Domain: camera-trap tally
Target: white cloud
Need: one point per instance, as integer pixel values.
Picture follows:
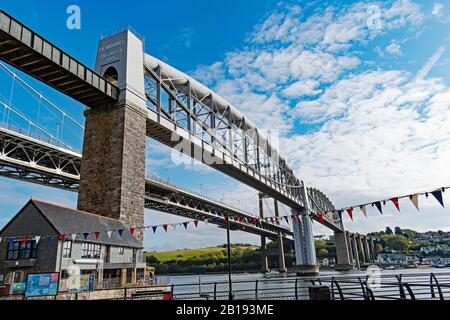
(437, 9)
(394, 49)
(302, 88)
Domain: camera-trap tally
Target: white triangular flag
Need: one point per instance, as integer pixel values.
(36, 239)
(73, 236)
(415, 200)
(1, 239)
(363, 210)
(109, 233)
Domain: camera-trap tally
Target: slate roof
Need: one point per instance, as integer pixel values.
(68, 221)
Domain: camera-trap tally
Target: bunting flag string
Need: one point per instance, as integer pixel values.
(414, 198)
(320, 216)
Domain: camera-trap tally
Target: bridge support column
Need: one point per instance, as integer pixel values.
(349, 248)
(373, 249)
(355, 252)
(113, 164)
(305, 249)
(369, 258)
(361, 252)
(264, 257)
(344, 262)
(281, 258)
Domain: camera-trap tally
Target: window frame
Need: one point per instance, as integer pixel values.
(91, 250)
(67, 249)
(17, 251)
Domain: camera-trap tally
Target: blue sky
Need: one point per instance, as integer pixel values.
(359, 91)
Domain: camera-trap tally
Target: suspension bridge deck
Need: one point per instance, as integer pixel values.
(32, 54)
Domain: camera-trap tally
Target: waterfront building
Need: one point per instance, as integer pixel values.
(115, 261)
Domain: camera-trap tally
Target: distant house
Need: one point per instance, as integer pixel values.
(444, 248)
(391, 258)
(116, 260)
(428, 249)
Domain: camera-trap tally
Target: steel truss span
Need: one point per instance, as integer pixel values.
(194, 120)
(29, 159)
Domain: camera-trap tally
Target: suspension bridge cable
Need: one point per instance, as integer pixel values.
(13, 74)
(39, 100)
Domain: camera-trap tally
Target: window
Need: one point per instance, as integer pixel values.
(121, 251)
(67, 249)
(18, 251)
(90, 251)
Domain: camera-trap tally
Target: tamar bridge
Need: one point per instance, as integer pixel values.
(131, 95)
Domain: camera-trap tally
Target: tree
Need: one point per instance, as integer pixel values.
(378, 248)
(397, 243)
(389, 231)
(322, 252)
(398, 231)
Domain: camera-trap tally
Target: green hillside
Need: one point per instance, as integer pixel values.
(191, 254)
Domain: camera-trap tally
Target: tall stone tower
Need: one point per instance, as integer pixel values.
(113, 164)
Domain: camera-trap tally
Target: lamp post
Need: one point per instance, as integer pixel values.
(230, 283)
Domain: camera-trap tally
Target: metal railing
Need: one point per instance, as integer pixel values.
(414, 286)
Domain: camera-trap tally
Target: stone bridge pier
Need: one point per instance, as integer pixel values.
(113, 165)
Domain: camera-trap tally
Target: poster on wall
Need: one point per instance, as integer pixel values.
(42, 284)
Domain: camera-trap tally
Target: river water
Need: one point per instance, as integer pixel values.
(262, 286)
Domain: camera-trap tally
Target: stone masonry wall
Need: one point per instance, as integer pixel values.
(113, 164)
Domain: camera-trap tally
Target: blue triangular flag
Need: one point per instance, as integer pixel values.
(438, 195)
(378, 205)
(120, 232)
(185, 224)
(49, 239)
(85, 235)
(10, 241)
(154, 229)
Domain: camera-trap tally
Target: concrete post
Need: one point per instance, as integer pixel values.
(113, 165)
(281, 258)
(373, 249)
(349, 248)
(361, 248)
(305, 251)
(265, 260)
(355, 251)
(369, 257)
(344, 261)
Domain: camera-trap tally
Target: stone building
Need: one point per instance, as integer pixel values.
(115, 261)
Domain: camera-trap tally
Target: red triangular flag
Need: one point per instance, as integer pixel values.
(294, 219)
(132, 231)
(254, 221)
(24, 241)
(62, 238)
(321, 218)
(350, 213)
(196, 223)
(97, 235)
(396, 204)
(165, 227)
